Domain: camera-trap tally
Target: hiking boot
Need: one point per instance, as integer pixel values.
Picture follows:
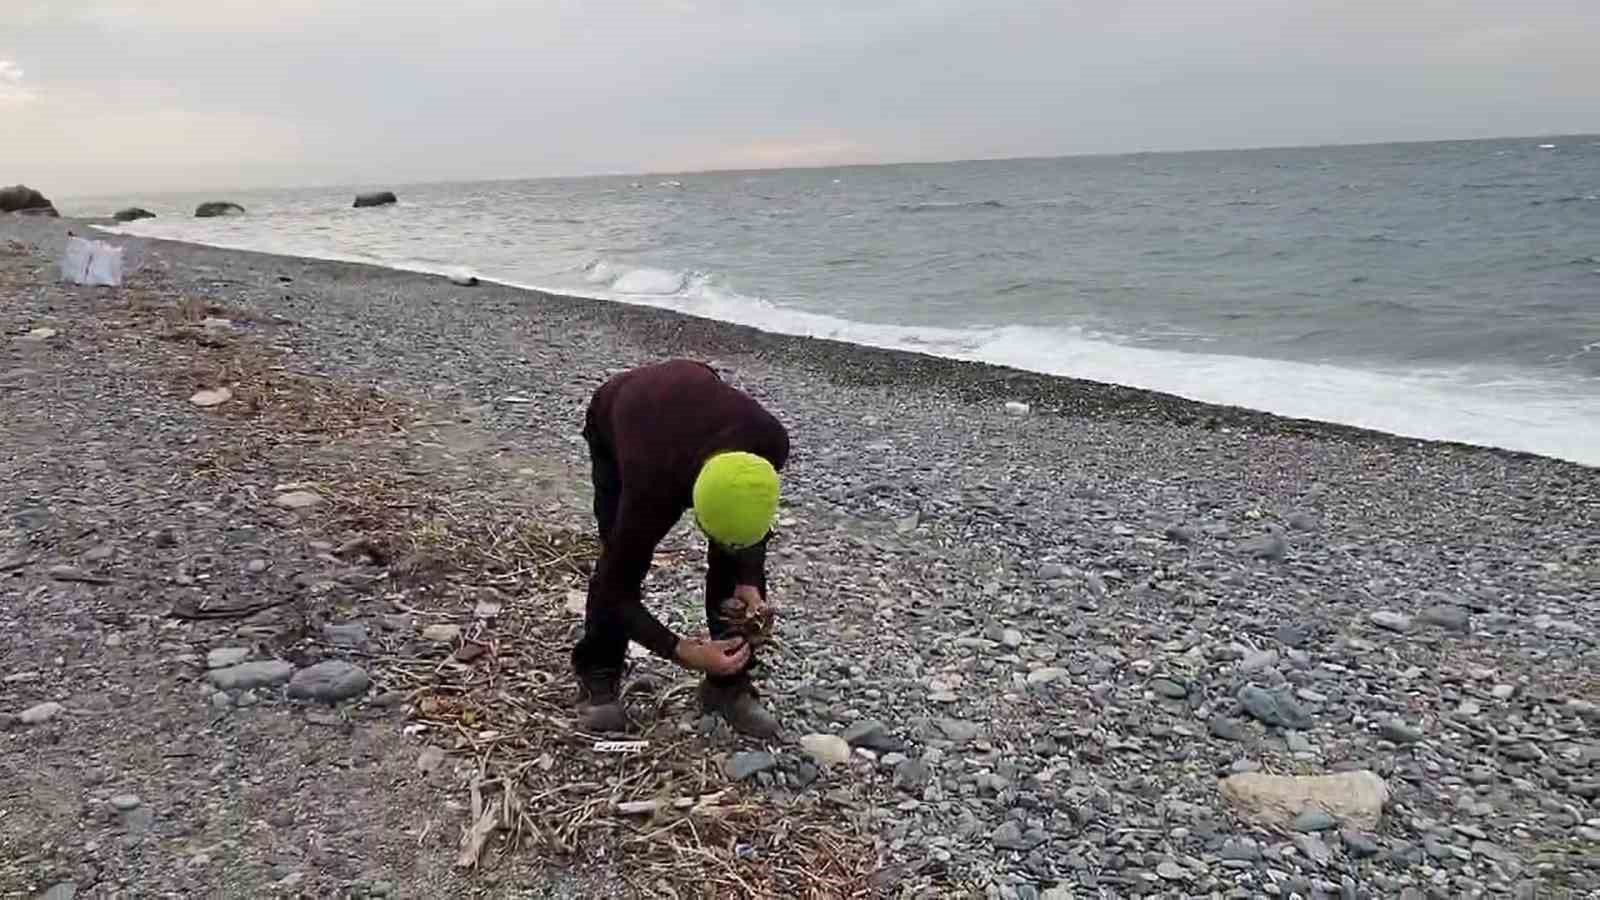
(736, 702)
(600, 701)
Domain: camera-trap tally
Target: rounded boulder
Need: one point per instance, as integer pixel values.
(329, 681)
(214, 208)
(376, 198)
(21, 198)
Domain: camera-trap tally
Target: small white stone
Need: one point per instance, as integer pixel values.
(1017, 408)
(430, 759)
(1503, 691)
(1259, 660)
(214, 397)
(42, 713)
(297, 500)
(223, 657)
(442, 634)
(1391, 621)
(826, 749)
(1046, 675)
(125, 802)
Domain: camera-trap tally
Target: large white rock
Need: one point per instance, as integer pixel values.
(1356, 798)
(40, 713)
(826, 749)
(297, 500)
(215, 397)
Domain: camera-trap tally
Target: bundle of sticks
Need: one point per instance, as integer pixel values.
(752, 624)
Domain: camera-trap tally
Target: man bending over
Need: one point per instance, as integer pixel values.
(664, 438)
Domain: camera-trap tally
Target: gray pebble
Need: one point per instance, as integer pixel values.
(1399, 732)
(223, 657)
(353, 634)
(251, 675)
(329, 681)
(871, 734)
(957, 731)
(912, 775)
(1171, 871)
(1228, 729)
(1293, 634)
(1258, 660)
(1451, 618)
(1391, 621)
(1273, 708)
(138, 821)
(125, 802)
(1180, 534)
(1240, 849)
(1313, 849)
(1168, 688)
(1314, 820)
(746, 763)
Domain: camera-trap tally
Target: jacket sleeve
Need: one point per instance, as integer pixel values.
(619, 576)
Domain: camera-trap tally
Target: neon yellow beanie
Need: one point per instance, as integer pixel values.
(736, 498)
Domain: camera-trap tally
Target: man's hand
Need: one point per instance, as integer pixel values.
(714, 657)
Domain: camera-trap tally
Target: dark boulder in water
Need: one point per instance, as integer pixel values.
(377, 198)
(132, 213)
(217, 208)
(20, 198)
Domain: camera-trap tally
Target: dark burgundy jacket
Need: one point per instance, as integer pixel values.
(658, 424)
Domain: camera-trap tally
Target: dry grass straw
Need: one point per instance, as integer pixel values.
(501, 696)
(201, 348)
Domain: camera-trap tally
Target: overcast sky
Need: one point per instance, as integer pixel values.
(128, 95)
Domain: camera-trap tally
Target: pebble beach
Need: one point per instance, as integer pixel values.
(1037, 637)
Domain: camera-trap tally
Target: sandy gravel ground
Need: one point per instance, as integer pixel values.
(270, 645)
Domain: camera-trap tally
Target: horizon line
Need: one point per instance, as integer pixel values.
(735, 170)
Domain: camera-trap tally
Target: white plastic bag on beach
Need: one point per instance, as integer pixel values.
(91, 262)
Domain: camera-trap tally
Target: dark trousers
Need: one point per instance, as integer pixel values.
(604, 646)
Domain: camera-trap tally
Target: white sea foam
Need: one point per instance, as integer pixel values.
(1511, 410)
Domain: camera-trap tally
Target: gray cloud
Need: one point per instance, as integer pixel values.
(114, 94)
